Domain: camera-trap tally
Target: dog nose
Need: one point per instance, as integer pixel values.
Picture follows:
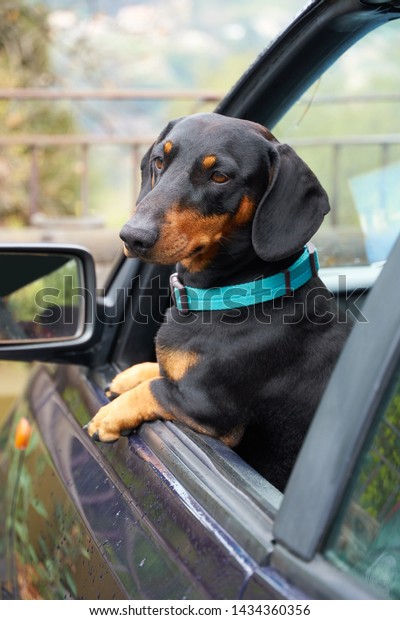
(140, 240)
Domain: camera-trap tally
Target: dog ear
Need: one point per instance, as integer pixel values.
(292, 208)
(145, 167)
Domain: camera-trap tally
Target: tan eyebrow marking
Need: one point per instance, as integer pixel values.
(168, 147)
(209, 161)
(245, 211)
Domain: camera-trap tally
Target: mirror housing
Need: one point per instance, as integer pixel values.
(47, 302)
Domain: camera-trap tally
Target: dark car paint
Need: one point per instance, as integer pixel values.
(124, 523)
(186, 518)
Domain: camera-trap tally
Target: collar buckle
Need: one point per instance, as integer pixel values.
(176, 285)
(312, 258)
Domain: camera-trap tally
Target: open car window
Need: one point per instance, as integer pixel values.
(347, 128)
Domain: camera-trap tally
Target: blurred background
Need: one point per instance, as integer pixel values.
(86, 86)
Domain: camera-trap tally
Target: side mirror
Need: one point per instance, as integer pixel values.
(47, 301)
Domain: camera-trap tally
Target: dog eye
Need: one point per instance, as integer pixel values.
(159, 163)
(219, 177)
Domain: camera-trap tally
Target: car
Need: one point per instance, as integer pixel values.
(167, 513)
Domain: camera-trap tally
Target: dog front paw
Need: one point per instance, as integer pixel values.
(131, 378)
(126, 413)
(104, 426)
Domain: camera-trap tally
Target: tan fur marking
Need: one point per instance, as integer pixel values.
(209, 161)
(233, 438)
(193, 239)
(168, 147)
(138, 405)
(176, 363)
(131, 377)
(245, 212)
(126, 412)
(184, 231)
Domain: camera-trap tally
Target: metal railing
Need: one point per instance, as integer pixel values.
(195, 99)
(35, 143)
(384, 143)
(138, 144)
(198, 97)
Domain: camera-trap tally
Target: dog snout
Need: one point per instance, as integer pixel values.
(138, 241)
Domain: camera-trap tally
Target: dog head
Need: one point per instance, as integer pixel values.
(208, 178)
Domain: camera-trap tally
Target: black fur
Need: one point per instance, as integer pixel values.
(261, 368)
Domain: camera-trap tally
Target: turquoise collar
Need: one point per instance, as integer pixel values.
(189, 298)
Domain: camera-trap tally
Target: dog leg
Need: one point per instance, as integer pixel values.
(139, 405)
(132, 377)
(125, 413)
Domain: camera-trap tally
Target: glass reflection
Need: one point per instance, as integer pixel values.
(40, 297)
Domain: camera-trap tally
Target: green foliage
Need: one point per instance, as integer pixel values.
(365, 539)
(44, 561)
(379, 481)
(24, 63)
(31, 301)
(22, 49)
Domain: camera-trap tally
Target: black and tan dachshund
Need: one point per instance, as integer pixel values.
(249, 343)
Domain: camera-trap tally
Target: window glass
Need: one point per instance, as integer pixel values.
(40, 297)
(366, 538)
(347, 128)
